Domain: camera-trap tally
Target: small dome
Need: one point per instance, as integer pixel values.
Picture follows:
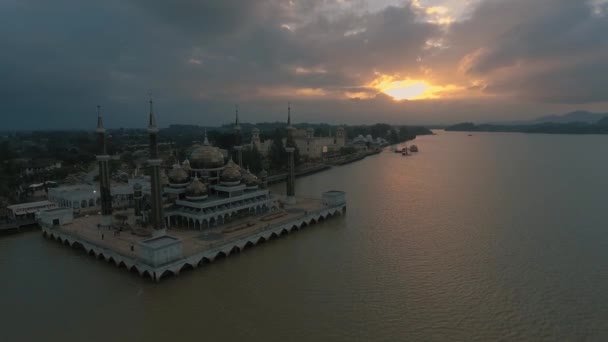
(196, 189)
(263, 173)
(186, 165)
(255, 130)
(137, 186)
(178, 175)
(250, 179)
(231, 173)
(164, 180)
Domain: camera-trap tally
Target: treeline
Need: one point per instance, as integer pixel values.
(601, 127)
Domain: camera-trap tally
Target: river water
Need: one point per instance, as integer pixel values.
(475, 238)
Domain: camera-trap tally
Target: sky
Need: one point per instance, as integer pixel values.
(336, 61)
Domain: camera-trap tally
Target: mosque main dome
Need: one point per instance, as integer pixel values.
(206, 157)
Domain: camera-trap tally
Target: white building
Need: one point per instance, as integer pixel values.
(309, 146)
(24, 211)
(55, 217)
(77, 197)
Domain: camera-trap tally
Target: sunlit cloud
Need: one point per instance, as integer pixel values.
(599, 7)
(290, 92)
(299, 70)
(354, 32)
(412, 89)
(287, 27)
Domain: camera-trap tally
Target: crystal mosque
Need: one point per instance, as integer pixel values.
(201, 208)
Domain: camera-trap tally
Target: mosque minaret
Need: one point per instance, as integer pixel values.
(291, 191)
(156, 216)
(104, 173)
(238, 147)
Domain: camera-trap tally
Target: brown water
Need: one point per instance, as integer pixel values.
(493, 236)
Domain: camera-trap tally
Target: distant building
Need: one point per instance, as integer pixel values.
(308, 144)
(86, 197)
(34, 167)
(368, 140)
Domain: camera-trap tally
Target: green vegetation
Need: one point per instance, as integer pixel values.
(252, 159)
(601, 127)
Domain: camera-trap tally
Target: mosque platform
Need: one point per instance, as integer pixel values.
(190, 247)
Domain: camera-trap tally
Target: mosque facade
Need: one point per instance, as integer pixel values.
(205, 191)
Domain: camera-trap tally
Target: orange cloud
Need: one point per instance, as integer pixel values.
(412, 89)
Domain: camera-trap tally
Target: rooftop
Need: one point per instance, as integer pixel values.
(29, 205)
(160, 241)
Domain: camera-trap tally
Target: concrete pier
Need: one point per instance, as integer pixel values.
(125, 250)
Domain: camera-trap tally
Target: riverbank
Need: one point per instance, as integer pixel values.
(313, 168)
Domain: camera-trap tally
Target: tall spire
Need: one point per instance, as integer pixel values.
(152, 120)
(290, 128)
(174, 153)
(237, 123)
(156, 216)
(206, 141)
(100, 127)
(237, 138)
(104, 173)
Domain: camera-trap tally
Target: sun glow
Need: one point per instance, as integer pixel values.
(409, 89)
(406, 90)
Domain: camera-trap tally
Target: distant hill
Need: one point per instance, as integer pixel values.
(577, 116)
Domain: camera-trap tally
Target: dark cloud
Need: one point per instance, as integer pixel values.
(546, 50)
(60, 58)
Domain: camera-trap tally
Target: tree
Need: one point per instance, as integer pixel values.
(252, 158)
(347, 150)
